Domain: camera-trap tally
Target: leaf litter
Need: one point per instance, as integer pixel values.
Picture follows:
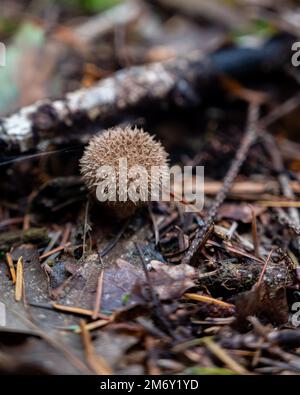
(165, 292)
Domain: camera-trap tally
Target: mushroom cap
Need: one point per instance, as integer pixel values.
(139, 148)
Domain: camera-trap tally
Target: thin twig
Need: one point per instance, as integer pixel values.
(66, 233)
(254, 231)
(248, 139)
(264, 268)
(95, 325)
(26, 222)
(98, 295)
(86, 227)
(54, 251)
(280, 111)
(19, 280)
(11, 267)
(223, 356)
(95, 362)
(79, 310)
(208, 299)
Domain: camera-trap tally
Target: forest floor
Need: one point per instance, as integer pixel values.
(164, 291)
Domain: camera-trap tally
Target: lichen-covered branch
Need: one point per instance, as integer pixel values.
(186, 79)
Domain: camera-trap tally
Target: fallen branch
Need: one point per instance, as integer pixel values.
(184, 81)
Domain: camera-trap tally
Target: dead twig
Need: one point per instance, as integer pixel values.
(19, 280)
(254, 232)
(264, 268)
(95, 325)
(208, 299)
(79, 310)
(223, 356)
(86, 227)
(54, 251)
(98, 295)
(95, 362)
(251, 133)
(11, 267)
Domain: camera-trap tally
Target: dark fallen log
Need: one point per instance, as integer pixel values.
(181, 80)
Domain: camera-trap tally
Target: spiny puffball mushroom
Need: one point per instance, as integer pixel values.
(138, 147)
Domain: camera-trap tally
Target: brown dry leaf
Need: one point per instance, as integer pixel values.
(113, 345)
(33, 356)
(262, 301)
(124, 284)
(239, 212)
(170, 282)
(80, 289)
(118, 283)
(59, 274)
(119, 280)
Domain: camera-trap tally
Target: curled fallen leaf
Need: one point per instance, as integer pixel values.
(262, 301)
(170, 282)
